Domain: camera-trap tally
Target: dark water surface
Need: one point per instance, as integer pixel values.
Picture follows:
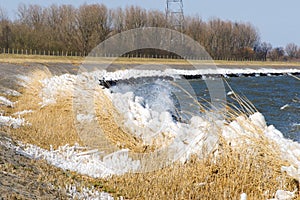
(276, 97)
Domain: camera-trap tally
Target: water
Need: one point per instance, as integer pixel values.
(276, 97)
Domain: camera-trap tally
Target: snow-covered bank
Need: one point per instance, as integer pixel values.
(82, 160)
(169, 72)
(150, 122)
(155, 124)
(147, 112)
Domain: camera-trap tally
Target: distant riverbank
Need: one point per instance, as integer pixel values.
(19, 59)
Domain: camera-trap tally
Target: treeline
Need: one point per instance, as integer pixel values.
(70, 29)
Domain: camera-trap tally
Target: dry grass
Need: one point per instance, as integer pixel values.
(8, 58)
(52, 124)
(233, 173)
(252, 167)
(19, 59)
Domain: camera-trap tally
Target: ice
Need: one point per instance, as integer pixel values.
(82, 160)
(284, 107)
(292, 171)
(258, 120)
(148, 117)
(12, 122)
(11, 92)
(86, 193)
(284, 195)
(230, 93)
(19, 113)
(23, 80)
(6, 102)
(243, 196)
(83, 117)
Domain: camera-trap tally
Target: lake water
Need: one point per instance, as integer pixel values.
(276, 97)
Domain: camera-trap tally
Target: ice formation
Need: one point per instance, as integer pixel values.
(12, 122)
(86, 193)
(149, 122)
(6, 102)
(82, 160)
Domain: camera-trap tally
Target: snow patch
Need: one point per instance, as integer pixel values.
(12, 122)
(11, 92)
(24, 112)
(6, 102)
(83, 117)
(86, 193)
(82, 160)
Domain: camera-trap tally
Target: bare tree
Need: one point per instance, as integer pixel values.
(118, 20)
(292, 50)
(262, 50)
(156, 19)
(5, 29)
(135, 17)
(276, 54)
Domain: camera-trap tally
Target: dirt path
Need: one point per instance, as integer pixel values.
(21, 177)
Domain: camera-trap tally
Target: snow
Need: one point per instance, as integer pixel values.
(82, 160)
(86, 193)
(243, 196)
(289, 150)
(153, 125)
(134, 73)
(284, 195)
(57, 85)
(83, 118)
(6, 102)
(24, 112)
(11, 92)
(230, 93)
(12, 122)
(23, 80)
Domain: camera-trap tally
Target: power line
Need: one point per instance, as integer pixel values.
(174, 14)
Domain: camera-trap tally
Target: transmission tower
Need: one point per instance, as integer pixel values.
(174, 14)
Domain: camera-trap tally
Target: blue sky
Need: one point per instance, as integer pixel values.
(277, 21)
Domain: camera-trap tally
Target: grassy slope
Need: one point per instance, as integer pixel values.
(253, 168)
(19, 59)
